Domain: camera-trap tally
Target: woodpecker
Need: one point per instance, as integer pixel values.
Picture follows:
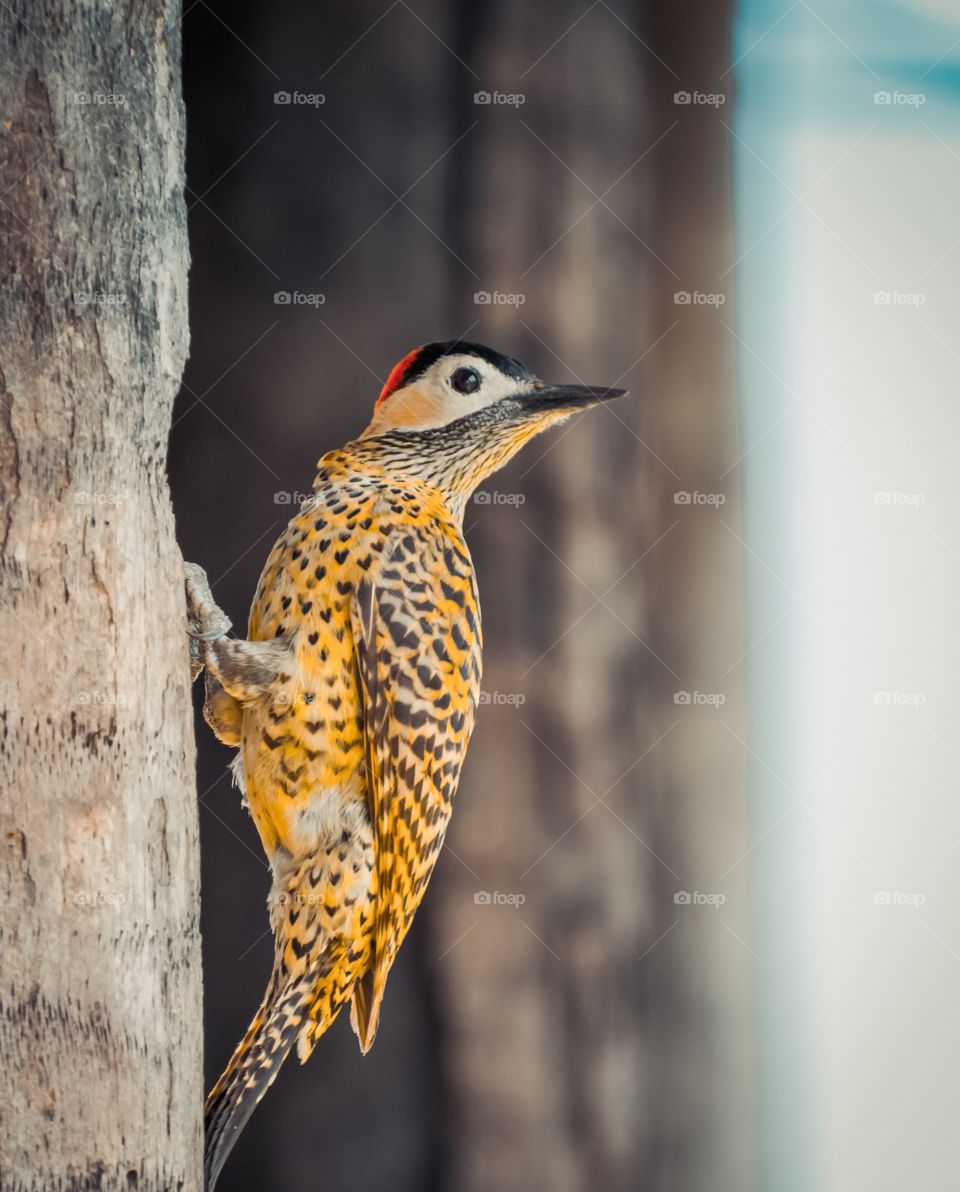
(353, 697)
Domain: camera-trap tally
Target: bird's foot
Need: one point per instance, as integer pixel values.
(206, 621)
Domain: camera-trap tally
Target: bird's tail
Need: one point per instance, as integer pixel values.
(314, 973)
(252, 1069)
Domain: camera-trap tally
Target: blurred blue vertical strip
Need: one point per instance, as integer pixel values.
(768, 114)
(802, 71)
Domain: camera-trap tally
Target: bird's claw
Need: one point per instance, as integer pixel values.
(206, 621)
(212, 635)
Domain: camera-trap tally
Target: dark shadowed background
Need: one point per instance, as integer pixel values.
(557, 1018)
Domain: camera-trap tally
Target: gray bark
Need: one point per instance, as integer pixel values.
(100, 1045)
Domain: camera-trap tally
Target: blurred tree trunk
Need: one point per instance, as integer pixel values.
(597, 1035)
(100, 1044)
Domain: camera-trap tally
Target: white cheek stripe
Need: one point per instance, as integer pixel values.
(437, 403)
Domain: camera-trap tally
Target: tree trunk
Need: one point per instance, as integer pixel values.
(100, 1045)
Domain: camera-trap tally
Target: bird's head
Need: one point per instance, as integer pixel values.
(465, 409)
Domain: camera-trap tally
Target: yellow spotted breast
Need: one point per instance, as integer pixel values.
(372, 586)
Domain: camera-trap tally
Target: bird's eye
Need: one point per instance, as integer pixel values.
(465, 380)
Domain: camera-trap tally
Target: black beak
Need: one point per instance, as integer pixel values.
(566, 397)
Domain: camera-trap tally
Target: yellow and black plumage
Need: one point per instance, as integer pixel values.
(353, 698)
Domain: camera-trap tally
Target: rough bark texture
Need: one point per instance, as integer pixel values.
(100, 1048)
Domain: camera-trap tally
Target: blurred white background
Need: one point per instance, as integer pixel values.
(847, 200)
